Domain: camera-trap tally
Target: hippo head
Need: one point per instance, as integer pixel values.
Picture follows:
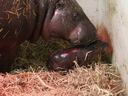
(98, 46)
(69, 22)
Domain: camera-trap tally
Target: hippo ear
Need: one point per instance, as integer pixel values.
(59, 5)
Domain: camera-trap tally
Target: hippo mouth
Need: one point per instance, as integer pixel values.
(91, 41)
(79, 42)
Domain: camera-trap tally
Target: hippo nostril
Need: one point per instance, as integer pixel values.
(106, 46)
(75, 41)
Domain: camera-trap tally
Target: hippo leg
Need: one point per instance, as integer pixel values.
(7, 56)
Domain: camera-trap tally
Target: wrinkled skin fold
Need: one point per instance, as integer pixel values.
(22, 20)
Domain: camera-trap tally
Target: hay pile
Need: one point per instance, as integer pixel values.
(36, 54)
(103, 81)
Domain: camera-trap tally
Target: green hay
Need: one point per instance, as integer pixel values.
(36, 54)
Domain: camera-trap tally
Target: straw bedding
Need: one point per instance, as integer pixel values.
(37, 81)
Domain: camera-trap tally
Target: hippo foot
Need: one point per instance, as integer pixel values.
(5, 67)
(7, 57)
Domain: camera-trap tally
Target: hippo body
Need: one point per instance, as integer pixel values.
(22, 20)
(62, 60)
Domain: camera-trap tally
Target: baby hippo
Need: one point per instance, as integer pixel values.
(62, 60)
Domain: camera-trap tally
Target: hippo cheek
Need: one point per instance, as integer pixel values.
(58, 29)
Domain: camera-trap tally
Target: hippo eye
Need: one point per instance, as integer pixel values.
(95, 46)
(58, 5)
(75, 16)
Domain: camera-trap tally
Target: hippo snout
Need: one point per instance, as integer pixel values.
(82, 36)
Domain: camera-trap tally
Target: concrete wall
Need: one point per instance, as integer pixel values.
(119, 35)
(90, 7)
(111, 15)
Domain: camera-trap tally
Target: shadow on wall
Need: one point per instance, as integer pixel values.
(102, 34)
